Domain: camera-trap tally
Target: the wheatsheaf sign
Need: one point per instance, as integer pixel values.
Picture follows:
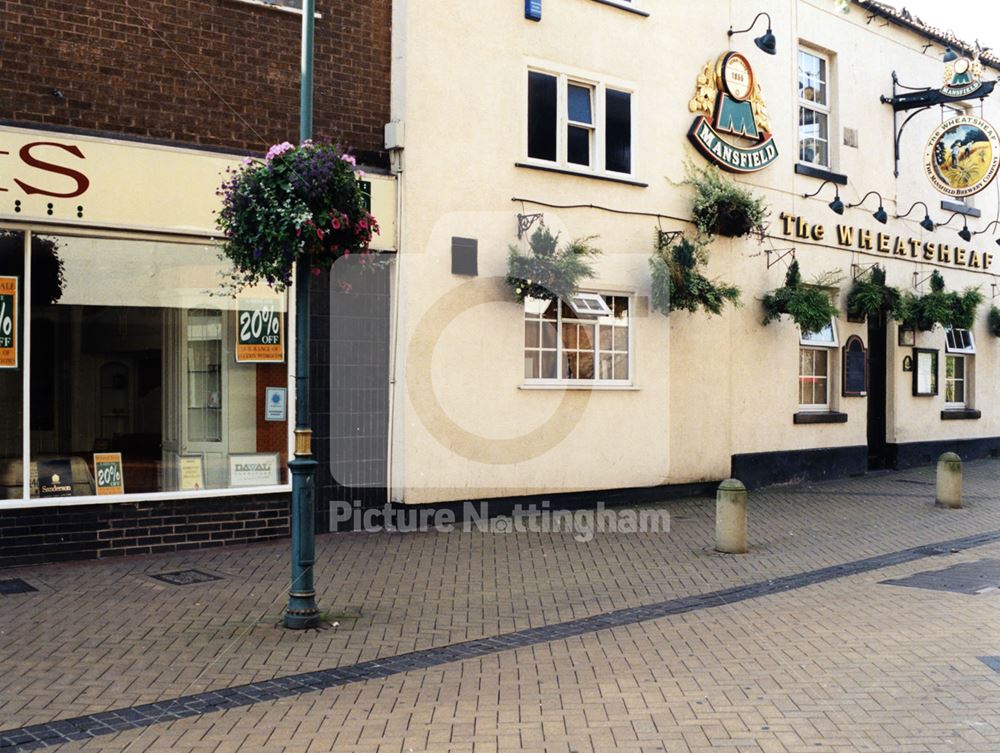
(889, 244)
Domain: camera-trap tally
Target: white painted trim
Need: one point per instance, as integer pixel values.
(272, 6)
(150, 497)
(596, 387)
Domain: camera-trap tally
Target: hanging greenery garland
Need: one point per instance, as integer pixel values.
(949, 309)
(870, 297)
(549, 272)
(677, 280)
(300, 202)
(994, 321)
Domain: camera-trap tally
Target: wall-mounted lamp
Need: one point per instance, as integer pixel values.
(965, 234)
(836, 205)
(766, 42)
(950, 55)
(926, 223)
(986, 229)
(879, 214)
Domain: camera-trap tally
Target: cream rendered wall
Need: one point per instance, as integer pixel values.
(705, 387)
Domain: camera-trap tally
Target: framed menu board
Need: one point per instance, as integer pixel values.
(925, 372)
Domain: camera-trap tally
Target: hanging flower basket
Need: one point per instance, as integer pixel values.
(678, 282)
(871, 298)
(809, 306)
(722, 206)
(549, 272)
(301, 202)
(994, 321)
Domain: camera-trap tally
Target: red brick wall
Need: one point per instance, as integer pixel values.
(118, 75)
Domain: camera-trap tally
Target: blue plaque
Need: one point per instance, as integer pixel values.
(533, 10)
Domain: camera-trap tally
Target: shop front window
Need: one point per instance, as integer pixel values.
(139, 380)
(11, 365)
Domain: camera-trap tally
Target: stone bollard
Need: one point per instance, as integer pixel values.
(731, 517)
(949, 481)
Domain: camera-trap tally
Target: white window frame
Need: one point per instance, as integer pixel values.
(590, 305)
(964, 380)
(825, 109)
(959, 342)
(823, 407)
(597, 322)
(599, 86)
(813, 339)
(277, 6)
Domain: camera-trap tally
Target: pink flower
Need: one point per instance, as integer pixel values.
(279, 149)
(349, 159)
(335, 223)
(319, 233)
(316, 272)
(345, 286)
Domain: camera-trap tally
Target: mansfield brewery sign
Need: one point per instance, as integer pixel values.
(962, 156)
(733, 129)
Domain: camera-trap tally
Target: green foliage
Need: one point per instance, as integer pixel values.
(677, 281)
(871, 297)
(301, 202)
(549, 272)
(995, 321)
(721, 206)
(949, 309)
(809, 306)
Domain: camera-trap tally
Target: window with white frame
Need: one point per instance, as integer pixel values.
(563, 345)
(960, 346)
(816, 354)
(579, 124)
(814, 108)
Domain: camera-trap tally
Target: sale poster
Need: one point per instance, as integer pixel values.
(8, 323)
(260, 335)
(108, 473)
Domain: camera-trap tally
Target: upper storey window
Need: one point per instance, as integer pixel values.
(814, 109)
(581, 125)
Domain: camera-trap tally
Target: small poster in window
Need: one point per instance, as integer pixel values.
(55, 478)
(8, 323)
(257, 469)
(260, 335)
(192, 468)
(276, 404)
(108, 473)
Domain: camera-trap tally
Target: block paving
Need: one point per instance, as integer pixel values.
(774, 658)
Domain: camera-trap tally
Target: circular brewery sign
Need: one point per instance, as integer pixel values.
(962, 156)
(736, 76)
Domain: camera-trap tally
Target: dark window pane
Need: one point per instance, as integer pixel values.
(541, 116)
(579, 105)
(619, 132)
(578, 146)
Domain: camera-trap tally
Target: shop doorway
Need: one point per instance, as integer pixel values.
(877, 350)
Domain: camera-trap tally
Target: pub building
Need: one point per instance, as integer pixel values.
(142, 412)
(558, 128)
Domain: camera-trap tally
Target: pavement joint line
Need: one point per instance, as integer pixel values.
(61, 731)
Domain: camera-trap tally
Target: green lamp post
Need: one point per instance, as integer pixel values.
(302, 611)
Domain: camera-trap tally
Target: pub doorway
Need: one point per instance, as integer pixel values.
(878, 448)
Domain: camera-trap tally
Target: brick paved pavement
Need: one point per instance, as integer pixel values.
(847, 665)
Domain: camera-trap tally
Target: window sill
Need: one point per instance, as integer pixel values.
(820, 417)
(586, 386)
(954, 206)
(821, 173)
(581, 174)
(622, 6)
(960, 414)
(272, 6)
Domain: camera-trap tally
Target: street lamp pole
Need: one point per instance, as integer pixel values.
(302, 611)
